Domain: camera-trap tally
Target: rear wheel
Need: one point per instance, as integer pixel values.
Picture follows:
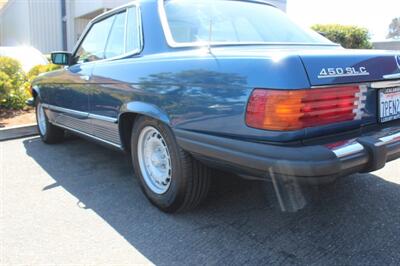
(170, 177)
(48, 133)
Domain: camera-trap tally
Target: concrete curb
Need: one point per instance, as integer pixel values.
(16, 132)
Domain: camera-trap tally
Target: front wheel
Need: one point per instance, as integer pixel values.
(48, 133)
(170, 177)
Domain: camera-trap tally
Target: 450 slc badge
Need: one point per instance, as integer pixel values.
(336, 72)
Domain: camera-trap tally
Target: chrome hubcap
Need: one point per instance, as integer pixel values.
(41, 119)
(154, 160)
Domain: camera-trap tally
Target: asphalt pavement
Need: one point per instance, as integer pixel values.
(79, 203)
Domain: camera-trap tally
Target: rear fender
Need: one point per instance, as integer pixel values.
(129, 113)
(146, 109)
(35, 91)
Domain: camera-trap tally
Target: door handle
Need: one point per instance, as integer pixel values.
(86, 78)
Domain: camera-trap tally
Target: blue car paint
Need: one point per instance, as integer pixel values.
(376, 63)
(199, 92)
(205, 91)
(146, 109)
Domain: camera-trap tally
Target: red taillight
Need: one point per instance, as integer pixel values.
(298, 109)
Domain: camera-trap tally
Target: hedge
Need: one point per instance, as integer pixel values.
(348, 36)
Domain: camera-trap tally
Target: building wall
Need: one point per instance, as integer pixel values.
(14, 24)
(83, 8)
(35, 23)
(387, 45)
(45, 25)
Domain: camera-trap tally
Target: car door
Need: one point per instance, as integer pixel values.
(108, 92)
(71, 99)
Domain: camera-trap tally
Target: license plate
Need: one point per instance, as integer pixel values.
(389, 104)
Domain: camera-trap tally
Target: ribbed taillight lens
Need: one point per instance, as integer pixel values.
(298, 109)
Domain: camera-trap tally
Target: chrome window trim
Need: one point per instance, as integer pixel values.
(173, 44)
(108, 14)
(126, 29)
(80, 113)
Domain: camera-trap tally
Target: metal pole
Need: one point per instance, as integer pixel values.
(64, 25)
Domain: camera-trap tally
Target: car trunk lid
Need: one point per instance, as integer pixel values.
(339, 66)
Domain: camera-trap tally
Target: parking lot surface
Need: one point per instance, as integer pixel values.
(79, 203)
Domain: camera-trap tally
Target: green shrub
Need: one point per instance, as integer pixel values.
(36, 71)
(39, 69)
(12, 79)
(348, 36)
(5, 85)
(12, 68)
(16, 99)
(15, 84)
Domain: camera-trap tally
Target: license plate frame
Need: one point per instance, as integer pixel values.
(389, 104)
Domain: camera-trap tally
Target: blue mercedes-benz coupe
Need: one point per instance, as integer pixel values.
(187, 86)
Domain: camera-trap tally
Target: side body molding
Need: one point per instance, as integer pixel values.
(146, 109)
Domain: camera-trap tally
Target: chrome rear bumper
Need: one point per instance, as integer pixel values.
(375, 149)
(309, 164)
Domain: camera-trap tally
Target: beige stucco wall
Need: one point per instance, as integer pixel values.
(14, 25)
(387, 45)
(84, 7)
(45, 24)
(30, 22)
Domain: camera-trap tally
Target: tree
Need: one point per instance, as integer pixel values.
(394, 29)
(348, 36)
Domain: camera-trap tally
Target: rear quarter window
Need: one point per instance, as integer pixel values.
(227, 21)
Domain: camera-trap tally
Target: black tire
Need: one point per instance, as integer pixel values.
(190, 180)
(52, 134)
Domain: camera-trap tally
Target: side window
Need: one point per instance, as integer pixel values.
(111, 37)
(92, 47)
(115, 45)
(132, 31)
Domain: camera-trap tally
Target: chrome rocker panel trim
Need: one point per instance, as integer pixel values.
(79, 113)
(83, 114)
(89, 136)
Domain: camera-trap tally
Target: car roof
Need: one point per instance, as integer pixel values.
(136, 2)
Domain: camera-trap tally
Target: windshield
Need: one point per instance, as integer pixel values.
(224, 21)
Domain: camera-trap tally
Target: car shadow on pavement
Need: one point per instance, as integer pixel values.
(354, 221)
